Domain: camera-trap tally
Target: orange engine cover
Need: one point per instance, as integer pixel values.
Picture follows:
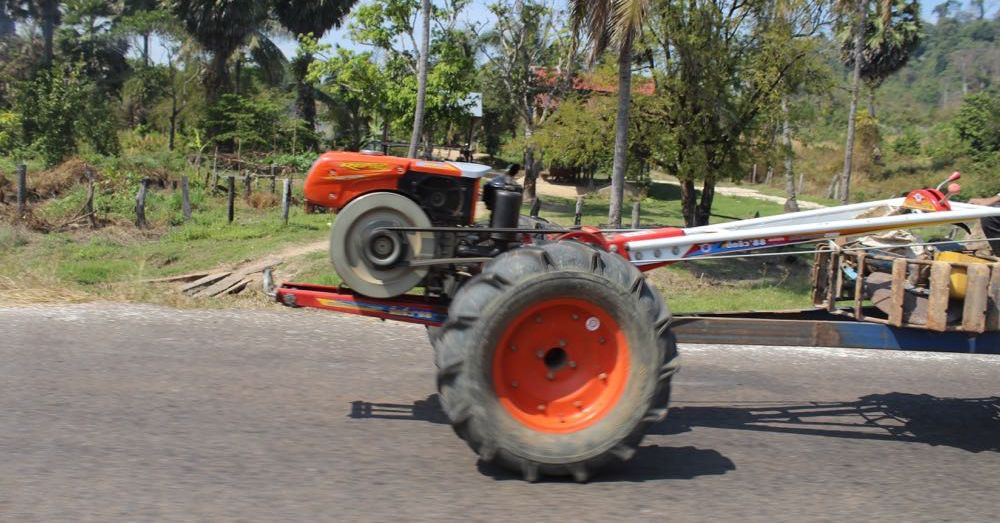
(446, 190)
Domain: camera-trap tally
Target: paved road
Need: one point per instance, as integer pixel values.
(133, 413)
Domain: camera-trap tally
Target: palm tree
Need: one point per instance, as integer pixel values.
(313, 18)
(614, 24)
(221, 27)
(425, 43)
(875, 45)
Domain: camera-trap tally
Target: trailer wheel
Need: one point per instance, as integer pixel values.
(555, 360)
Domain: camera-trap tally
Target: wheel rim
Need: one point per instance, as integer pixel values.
(561, 366)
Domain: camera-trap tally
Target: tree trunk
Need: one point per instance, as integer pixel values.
(530, 174)
(791, 204)
(703, 212)
(173, 120)
(238, 73)
(217, 77)
(689, 201)
(859, 48)
(385, 135)
(871, 101)
(50, 18)
(305, 99)
(621, 135)
(418, 116)
(7, 26)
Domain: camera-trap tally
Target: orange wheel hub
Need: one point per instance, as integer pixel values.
(561, 366)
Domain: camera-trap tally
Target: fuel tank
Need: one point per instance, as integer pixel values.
(447, 191)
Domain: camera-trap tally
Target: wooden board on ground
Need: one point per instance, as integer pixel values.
(206, 280)
(191, 276)
(237, 276)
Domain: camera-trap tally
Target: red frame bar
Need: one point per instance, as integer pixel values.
(411, 309)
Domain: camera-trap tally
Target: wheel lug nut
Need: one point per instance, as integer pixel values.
(514, 384)
(550, 376)
(540, 354)
(601, 340)
(572, 364)
(562, 343)
(575, 316)
(538, 318)
(603, 376)
(513, 348)
(578, 404)
(541, 406)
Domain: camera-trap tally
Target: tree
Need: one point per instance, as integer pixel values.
(388, 26)
(418, 114)
(978, 122)
(49, 17)
(144, 17)
(530, 63)
(857, 24)
(721, 72)
(614, 24)
(312, 18)
(876, 45)
(795, 25)
(220, 27)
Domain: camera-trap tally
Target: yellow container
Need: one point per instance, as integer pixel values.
(959, 280)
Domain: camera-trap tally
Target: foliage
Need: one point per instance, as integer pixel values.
(892, 33)
(10, 132)
(59, 109)
(907, 144)
(978, 122)
(257, 123)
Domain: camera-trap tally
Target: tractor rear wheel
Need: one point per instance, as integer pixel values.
(555, 360)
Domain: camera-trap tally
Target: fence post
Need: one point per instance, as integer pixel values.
(140, 203)
(231, 185)
(578, 215)
(535, 207)
(802, 181)
(22, 187)
(88, 207)
(635, 214)
(286, 198)
(753, 175)
(185, 199)
(274, 175)
(246, 186)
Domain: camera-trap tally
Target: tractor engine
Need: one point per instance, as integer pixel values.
(372, 193)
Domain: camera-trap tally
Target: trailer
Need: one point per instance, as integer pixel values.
(554, 354)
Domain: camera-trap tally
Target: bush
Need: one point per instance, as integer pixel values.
(907, 144)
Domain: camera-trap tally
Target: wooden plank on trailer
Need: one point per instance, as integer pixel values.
(976, 298)
(937, 313)
(993, 303)
(898, 291)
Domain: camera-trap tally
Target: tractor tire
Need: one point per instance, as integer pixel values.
(555, 360)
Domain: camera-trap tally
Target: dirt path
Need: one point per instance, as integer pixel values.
(546, 188)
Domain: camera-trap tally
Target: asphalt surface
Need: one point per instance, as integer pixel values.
(136, 413)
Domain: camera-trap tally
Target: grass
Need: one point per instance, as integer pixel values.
(109, 263)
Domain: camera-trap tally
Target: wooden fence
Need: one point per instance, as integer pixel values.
(250, 182)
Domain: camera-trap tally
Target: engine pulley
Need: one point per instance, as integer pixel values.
(371, 260)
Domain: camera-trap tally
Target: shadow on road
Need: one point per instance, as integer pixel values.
(971, 424)
(650, 463)
(421, 410)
